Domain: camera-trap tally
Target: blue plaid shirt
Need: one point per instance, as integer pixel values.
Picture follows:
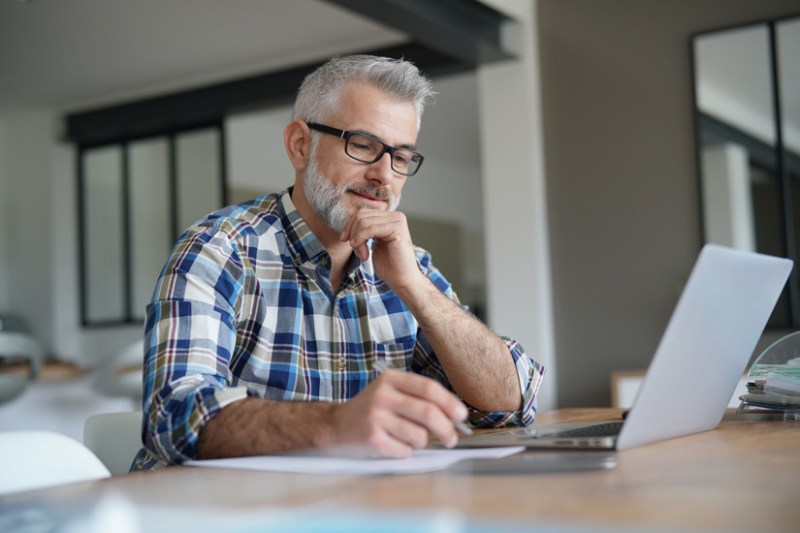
(244, 307)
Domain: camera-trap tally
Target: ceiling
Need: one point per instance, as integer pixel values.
(68, 55)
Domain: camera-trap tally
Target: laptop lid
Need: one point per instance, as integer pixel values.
(708, 342)
(703, 352)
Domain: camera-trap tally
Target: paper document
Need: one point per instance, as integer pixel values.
(427, 460)
(780, 384)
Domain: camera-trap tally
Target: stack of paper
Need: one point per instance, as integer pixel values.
(778, 391)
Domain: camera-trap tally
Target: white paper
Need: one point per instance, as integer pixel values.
(427, 460)
(782, 384)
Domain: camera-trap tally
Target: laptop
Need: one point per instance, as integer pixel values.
(708, 342)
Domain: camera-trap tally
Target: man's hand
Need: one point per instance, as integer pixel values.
(395, 414)
(392, 250)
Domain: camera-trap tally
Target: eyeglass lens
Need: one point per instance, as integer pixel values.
(368, 150)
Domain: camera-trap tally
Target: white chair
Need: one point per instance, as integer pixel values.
(121, 374)
(39, 459)
(18, 347)
(115, 438)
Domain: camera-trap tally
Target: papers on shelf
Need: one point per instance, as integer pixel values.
(427, 460)
(781, 384)
(778, 392)
(775, 375)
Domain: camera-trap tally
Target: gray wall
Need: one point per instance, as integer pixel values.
(620, 162)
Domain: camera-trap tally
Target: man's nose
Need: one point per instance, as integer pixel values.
(381, 170)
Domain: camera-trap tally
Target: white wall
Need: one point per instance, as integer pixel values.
(26, 217)
(448, 187)
(255, 155)
(515, 200)
(727, 196)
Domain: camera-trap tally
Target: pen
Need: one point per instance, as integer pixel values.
(380, 365)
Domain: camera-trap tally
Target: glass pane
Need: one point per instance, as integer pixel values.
(733, 79)
(199, 183)
(103, 235)
(737, 135)
(787, 43)
(150, 225)
(787, 35)
(742, 191)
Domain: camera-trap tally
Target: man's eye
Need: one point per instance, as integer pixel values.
(360, 146)
(401, 159)
(363, 145)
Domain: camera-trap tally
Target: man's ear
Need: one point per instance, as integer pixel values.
(297, 141)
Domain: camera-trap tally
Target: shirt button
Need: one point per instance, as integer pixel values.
(324, 261)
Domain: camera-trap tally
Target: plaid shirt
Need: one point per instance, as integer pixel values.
(244, 307)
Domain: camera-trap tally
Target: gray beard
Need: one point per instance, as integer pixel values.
(327, 201)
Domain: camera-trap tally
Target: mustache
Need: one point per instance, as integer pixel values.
(382, 193)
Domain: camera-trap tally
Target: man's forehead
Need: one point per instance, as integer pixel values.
(366, 108)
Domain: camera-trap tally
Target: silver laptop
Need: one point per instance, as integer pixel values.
(704, 351)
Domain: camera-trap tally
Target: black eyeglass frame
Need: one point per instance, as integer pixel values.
(336, 132)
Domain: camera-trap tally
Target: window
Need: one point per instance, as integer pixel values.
(747, 108)
(136, 196)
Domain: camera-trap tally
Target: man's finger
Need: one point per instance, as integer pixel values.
(429, 390)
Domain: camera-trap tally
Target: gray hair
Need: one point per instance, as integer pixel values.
(321, 91)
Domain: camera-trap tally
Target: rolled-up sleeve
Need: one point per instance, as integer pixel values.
(189, 339)
(530, 375)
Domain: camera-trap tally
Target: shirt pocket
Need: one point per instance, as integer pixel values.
(398, 356)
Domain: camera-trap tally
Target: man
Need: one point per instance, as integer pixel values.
(270, 318)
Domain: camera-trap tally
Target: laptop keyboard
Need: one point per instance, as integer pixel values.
(606, 429)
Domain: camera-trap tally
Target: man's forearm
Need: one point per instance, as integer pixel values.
(476, 361)
(395, 414)
(254, 426)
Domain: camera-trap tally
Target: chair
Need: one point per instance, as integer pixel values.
(115, 438)
(21, 358)
(121, 374)
(39, 459)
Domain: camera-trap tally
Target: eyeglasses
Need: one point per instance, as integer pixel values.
(368, 149)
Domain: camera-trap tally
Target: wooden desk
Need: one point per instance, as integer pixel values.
(745, 475)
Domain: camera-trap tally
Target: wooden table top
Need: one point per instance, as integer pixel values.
(744, 475)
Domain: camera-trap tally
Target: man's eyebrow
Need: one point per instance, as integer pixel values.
(378, 138)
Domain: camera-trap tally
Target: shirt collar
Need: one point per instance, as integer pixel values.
(302, 242)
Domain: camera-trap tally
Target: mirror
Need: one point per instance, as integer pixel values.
(747, 109)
